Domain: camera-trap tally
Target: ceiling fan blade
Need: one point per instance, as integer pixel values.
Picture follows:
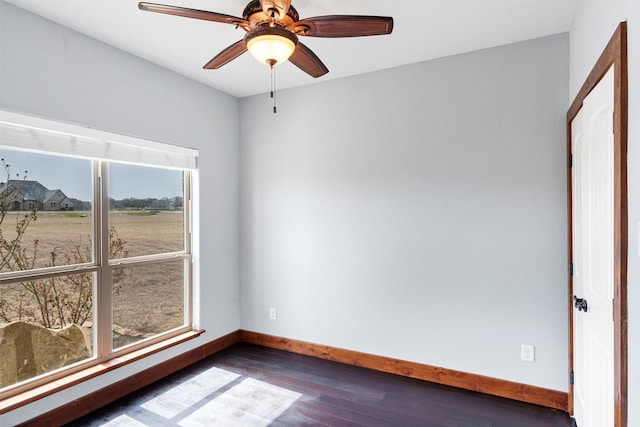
(227, 55)
(307, 61)
(192, 13)
(343, 26)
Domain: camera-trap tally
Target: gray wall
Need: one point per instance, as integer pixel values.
(417, 213)
(592, 28)
(50, 71)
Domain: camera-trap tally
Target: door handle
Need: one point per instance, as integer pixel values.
(580, 303)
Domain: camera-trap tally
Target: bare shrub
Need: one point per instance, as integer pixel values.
(53, 302)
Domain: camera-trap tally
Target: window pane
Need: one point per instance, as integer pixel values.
(45, 211)
(146, 210)
(147, 300)
(45, 325)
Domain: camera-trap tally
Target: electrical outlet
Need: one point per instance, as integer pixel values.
(528, 353)
(273, 314)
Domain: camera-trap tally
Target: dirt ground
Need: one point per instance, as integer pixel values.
(146, 299)
(145, 232)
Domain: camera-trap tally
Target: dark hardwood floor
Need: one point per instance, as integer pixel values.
(247, 385)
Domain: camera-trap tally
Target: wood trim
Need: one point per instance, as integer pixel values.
(493, 386)
(614, 54)
(111, 393)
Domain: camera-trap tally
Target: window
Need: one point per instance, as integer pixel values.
(95, 249)
(145, 225)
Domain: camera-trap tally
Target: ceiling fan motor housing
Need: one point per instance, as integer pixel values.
(275, 8)
(260, 11)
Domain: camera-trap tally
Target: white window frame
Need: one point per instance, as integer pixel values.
(14, 128)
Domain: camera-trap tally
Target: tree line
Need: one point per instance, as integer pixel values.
(132, 203)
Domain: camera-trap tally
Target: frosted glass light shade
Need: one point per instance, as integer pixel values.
(271, 45)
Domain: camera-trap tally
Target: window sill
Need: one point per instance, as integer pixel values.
(55, 386)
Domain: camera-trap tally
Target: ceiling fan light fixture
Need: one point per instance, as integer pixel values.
(271, 45)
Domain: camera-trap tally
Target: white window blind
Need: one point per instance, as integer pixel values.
(28, 133)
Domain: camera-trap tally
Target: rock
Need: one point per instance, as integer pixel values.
(27, 350)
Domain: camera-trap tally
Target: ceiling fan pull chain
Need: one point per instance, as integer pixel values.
(273, 87)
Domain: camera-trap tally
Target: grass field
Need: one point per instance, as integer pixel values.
(145, 232)
(147, 299)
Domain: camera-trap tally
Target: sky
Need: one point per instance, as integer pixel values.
(73, 176)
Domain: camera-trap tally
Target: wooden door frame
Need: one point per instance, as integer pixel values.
(615, 54)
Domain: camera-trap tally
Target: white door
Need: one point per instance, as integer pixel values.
(593, 201)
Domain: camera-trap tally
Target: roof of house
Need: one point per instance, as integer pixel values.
(30, 190)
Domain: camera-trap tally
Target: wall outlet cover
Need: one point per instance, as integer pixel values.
(528, 353)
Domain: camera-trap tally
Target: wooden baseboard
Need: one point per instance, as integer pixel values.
(493, 386)
(93, 401)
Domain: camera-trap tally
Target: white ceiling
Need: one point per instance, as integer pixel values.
(423, 30)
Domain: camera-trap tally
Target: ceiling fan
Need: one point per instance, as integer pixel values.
(272, 29)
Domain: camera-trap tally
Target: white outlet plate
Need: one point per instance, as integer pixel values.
(528, 353)
(273, 314)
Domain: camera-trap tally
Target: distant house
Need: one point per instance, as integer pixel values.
(22, 195)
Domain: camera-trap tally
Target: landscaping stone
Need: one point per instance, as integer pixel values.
(27, 350)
